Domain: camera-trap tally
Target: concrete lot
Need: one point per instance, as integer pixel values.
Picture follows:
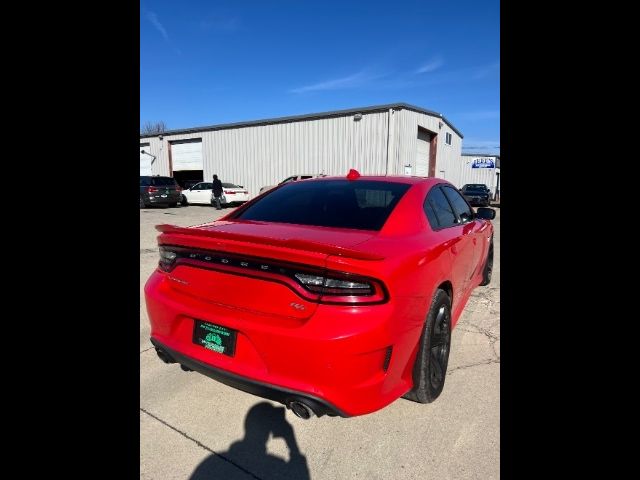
(192, 427)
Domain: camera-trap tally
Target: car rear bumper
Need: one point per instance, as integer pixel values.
(254, 387)
(348, 360)
(160, 200)
(231, 199)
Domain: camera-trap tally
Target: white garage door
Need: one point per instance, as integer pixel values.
(422, 154)
(186, 156)
(145, 160)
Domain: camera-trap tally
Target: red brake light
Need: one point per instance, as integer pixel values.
(353, 174)
(152, 189)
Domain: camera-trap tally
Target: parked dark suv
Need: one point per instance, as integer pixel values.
(158, 190)
(477, 194)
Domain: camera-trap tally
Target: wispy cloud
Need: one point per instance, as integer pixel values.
(486, 70)
(358, 79)
(396, 80)
(153, 18)
(478, 115)
(431, 66)
(220, 23)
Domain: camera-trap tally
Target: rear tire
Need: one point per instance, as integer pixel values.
(183, 201)
(488, 267)
(142, 204)
(430, 369)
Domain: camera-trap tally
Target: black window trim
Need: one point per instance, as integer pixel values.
(458, 219)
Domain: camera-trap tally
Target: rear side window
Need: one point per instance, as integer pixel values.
(162, 181)
(145, 181)
(363, 205)
(460, 206)
(431, 215)
(442, 210)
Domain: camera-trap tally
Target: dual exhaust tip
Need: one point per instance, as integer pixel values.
(298, 407)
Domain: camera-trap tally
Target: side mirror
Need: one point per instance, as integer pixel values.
(486, 213)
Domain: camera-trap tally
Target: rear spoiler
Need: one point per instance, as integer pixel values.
(277, 242)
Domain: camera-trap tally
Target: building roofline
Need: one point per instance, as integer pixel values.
(309, 116)
(480, 155)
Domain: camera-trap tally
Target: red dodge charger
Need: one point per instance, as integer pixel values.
(332, 296)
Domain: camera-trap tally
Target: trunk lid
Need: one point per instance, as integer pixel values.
(246, 265)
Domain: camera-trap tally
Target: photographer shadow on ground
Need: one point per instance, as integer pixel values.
(250, 454)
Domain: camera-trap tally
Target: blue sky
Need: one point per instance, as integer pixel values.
(210, 62)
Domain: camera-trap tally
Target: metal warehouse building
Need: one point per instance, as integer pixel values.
(385, 139)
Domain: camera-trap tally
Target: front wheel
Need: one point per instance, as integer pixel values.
(430, 369)
(183, 201)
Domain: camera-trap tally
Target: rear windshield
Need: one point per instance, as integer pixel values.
(361, 204)
(162, 181)
(475, 187)
(230, 185)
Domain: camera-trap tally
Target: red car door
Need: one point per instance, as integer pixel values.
(471, 230)
(457, 235)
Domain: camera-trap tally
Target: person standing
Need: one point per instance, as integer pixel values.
(217, 191)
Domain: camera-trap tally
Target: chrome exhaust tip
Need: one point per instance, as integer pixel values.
(301, 410)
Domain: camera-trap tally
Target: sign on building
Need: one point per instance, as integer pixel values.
(483, 163)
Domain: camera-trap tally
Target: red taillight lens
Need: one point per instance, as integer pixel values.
(339, 287)
(152, 189)
(178, 188)
(229, 193)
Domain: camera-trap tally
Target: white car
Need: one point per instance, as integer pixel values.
(293, 178)
(202, 193)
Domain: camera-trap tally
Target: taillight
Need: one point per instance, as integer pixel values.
(178, 188)
(313, 284)
(167, 259)
(342, 287)
(152, 189)
(229, 193)
(335, 286)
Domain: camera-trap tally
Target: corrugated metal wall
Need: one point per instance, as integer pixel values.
(405, 125)
(265, 155)
(256, 156)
